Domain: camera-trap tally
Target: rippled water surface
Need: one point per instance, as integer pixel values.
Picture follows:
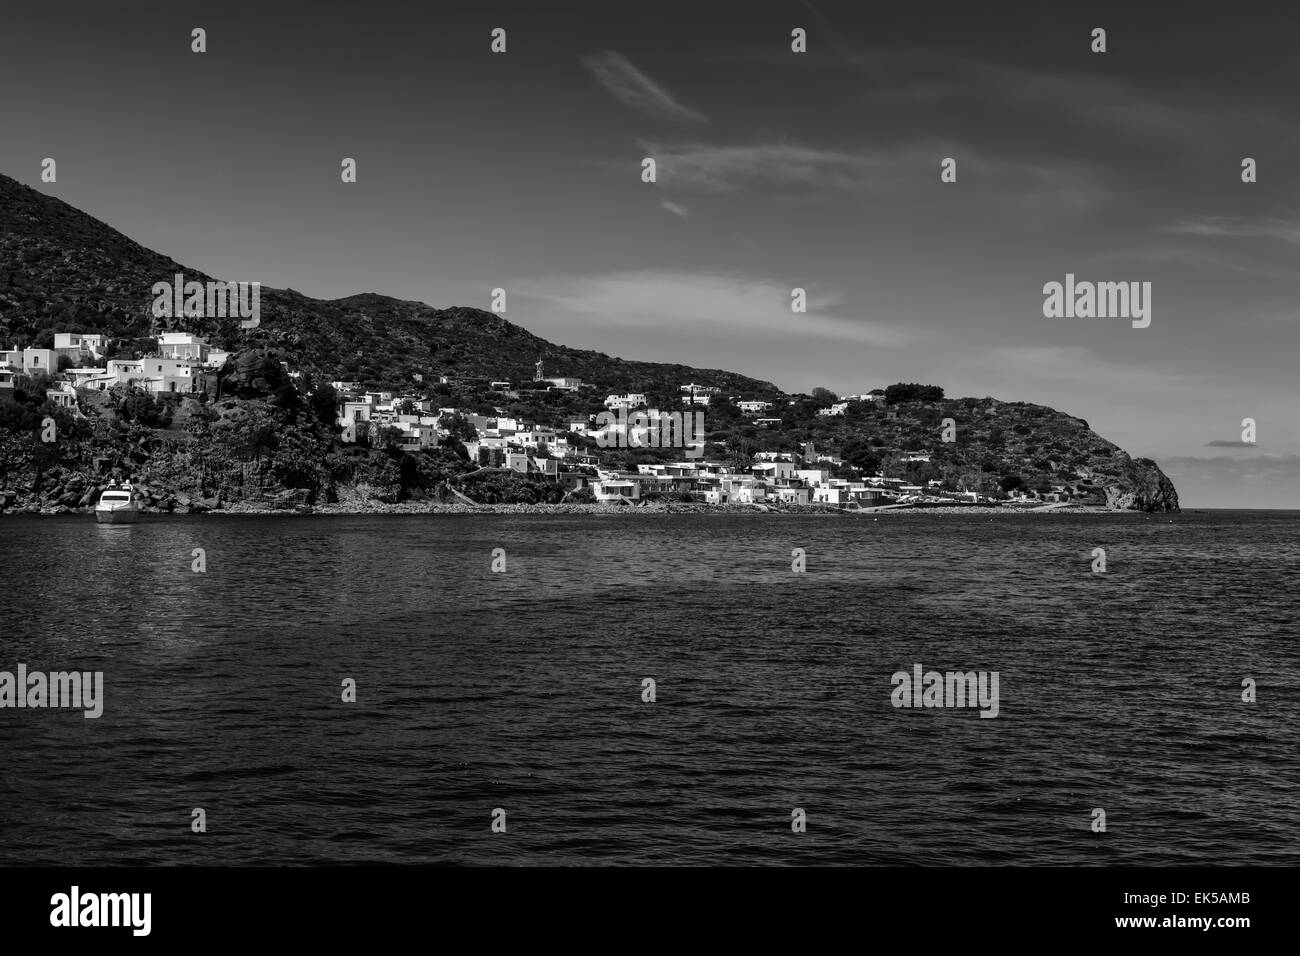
(522, 690)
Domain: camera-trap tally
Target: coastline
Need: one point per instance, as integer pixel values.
(611, 510)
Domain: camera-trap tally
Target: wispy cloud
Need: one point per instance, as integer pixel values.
(1018, 188)
(710, 168)
(1282, 230)
(677, 209)
(707, 305)
(910, 77)
(636, 90)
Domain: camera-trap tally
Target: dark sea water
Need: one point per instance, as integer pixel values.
(522, 690)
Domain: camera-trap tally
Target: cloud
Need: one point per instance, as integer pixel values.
(1281, 230)
(677, 209)
(913, 77)
(695, 304)
(710, 168)
(1222, 443)
(636, 90)
(1015, 188)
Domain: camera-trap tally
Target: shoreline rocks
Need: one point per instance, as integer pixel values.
(282, 507)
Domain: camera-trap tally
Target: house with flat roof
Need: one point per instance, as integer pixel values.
(616, 489)
(168, 375)
(93, 343)
(40, 360)
(182, 345)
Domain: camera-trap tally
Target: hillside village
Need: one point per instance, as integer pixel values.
(586, 458)
(369, 398)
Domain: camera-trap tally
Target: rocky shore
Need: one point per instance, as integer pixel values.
(216, 508)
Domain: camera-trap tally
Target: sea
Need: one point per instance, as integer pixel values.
(654, 689)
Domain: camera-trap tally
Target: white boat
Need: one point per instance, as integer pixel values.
(118, 504)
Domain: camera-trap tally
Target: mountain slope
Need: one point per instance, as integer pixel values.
(63, 270)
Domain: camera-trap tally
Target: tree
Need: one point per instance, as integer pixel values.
(861, 455)
(459, 427)
(388, 437)
(912, 392)
(137, 405)
(740, 454)
(17, 416)
(325, 403)
(825, 396)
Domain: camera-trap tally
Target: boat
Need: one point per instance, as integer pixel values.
(118, 504)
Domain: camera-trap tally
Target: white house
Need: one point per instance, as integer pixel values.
(537, 436)
(85, 377)
(168, 375)
(94, 343)
(792, 495)
(753, 408)
(182, 345)
(616, 489)
(775, 470)
(125, 371)
(830, 496)
(564, 384)
(630, 400)
(64, 397)
(351, 412)
(40, 360)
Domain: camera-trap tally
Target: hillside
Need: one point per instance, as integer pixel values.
(62, 270)
(253, 434)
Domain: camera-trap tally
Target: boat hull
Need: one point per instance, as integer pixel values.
(117, 516)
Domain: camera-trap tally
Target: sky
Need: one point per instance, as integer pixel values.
(775, 170)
